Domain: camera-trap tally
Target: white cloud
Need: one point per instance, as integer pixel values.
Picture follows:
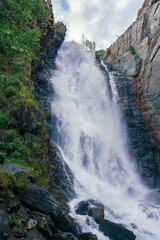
(99, 20)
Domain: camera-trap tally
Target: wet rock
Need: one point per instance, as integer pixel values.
(19, 232)
(37, 199)
(38, 215)
(115, 231)
(86, 236)
(96, 203)
(133, 226)
(83, 208)
(2, 236)
(45, 229)
(14, 206)
(51, 225)
(97, 214)
(140, 144)
(67, 224)
(57, 236)
(68, 236)
(140, 62)
(152, 198)
(61, 179)
(31, 224)
(32, 178)
(4, 223)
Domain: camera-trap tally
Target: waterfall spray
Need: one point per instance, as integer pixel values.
(93, 140)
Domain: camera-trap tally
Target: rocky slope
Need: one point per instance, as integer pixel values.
(33, 182)
(136, 53)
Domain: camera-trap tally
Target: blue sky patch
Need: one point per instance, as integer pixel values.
(64, 4)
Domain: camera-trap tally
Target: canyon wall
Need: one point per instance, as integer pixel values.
(136, 53)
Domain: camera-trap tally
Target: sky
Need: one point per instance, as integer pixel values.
(102, 21)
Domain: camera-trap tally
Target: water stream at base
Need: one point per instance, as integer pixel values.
(93, 142)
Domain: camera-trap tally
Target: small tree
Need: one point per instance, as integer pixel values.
(91, 46)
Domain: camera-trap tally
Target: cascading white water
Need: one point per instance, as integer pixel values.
(93, 142)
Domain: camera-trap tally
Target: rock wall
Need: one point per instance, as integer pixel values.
(136, 53)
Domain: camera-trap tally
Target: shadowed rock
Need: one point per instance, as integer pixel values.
(115, 231)
(37, 199)
(87, 236)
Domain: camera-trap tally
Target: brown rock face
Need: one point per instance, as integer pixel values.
(146, 5)
(136, 53)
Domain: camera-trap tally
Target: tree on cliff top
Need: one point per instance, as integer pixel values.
(90, 45)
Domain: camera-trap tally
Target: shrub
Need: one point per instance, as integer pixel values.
(3, 119)
(132, 50)
(10, 92)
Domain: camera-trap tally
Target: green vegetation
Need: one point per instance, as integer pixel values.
(7, 180)
(17, 35)
(16, 218)
(102, 52)
(122, 39)
(116, 57)
(145, 62)
(90, 45)
(56, 32)
(125, 50)
(132, 50)
(23, 138)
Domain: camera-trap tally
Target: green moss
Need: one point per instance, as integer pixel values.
(16, 218)
(40, 171)
(21, 180)
(7, 180)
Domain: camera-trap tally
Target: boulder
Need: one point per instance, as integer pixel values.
(45, 229)
(14, 205)
(83, 208)
(57, 236)
(68, 236)
(15, 169)
(97, 213)
(116, 231)
(19, 232)
(4, 223)
(36, 198)
(86, 236)
(67, 224)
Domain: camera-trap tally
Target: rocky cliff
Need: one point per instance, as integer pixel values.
(33, 181)
(136, 53)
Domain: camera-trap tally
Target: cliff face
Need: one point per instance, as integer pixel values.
(136, 53)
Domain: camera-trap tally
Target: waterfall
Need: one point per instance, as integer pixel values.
(92, 139)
